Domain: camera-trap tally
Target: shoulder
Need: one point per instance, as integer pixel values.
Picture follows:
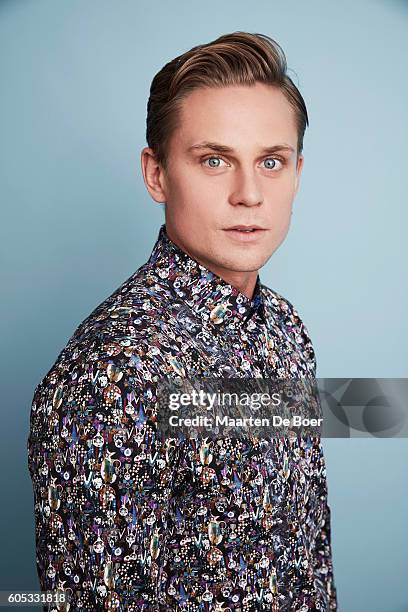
(103, 387)
(111, 360)
(132, 316)
(287, 316)
(280, 305)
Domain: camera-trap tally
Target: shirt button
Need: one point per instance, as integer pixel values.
(218, 313)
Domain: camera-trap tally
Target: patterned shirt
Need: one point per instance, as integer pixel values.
(126, 521)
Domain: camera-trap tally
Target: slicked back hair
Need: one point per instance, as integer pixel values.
(239, 58)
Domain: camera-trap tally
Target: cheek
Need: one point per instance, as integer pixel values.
(282, 189)
(195, 200)
(280, 200)
(188, 189)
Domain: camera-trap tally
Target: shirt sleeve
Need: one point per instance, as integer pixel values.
(298, 332)
(315, 517)
(101, 482)
(323, 564)
(311, 483)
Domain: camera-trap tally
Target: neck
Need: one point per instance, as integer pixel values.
(243, 281)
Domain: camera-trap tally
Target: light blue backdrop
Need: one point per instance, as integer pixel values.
(77, 221)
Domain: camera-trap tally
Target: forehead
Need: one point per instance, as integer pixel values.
(236, 115)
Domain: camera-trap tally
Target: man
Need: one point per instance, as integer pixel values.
(125, 520)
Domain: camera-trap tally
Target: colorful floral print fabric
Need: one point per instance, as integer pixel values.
(126, 521)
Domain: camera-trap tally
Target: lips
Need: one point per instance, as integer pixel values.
(245, 228)
(245, 234)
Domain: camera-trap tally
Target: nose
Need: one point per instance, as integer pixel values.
(246, 189)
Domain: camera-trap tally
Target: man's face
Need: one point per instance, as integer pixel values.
(208, 190)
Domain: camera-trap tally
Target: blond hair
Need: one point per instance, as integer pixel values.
(239, 58)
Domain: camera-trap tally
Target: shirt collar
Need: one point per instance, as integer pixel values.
(207, 294)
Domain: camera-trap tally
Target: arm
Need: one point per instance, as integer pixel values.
(311, 486)
(321, 548)
(296, 331)
(101, 482)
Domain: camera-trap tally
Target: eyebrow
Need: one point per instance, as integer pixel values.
(215, 146)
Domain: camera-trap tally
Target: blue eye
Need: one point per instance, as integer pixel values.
(274, 161)
(210, 159)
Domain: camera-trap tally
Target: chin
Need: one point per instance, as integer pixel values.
(244, 265)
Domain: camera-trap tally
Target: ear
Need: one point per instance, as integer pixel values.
(153, 175)
(299, 168)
